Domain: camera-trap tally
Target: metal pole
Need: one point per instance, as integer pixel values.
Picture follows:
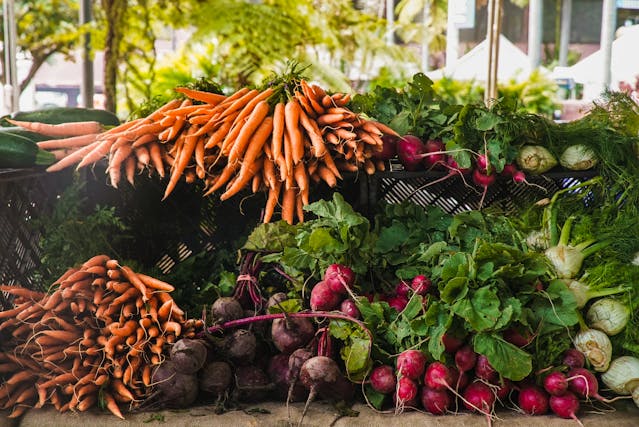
(452, 36)
(535, 30)
(608, 24)
(426, 39)
(86, 89)
(564, 40)
(11, 93)
(390, 22)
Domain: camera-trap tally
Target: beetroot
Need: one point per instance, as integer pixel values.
(438, 376)
(565, 406)
(420, 284)
(215, 378)
(484, 370)
(556, 383)
(225, 309)
(533, 400)
(517, 337)
(409, 150)
(275, 299)
(479, 397)
(349, 308)
(437, 402)
(175, 390)
(411, 364)
(252, 384)
(383, 379)
(240, 346)
(323, 298)
(339, 277)
(291, 333)
(277, 372)
(188, 355)
(573, 358)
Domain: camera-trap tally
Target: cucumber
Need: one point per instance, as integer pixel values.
(19, 152)
(16, 130)
(57, 115)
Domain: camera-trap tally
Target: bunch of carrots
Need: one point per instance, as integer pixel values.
(280, 140)
(94, 339)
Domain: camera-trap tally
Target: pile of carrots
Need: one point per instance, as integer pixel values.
(95, 339)
(280, 140)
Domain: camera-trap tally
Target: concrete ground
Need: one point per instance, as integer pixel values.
(320, 414)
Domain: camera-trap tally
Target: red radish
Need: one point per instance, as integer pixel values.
(406, 391)
(349, 308)
(323, 298)
(565, 406)
(465, 358)
(460, 380)
(410, 150)
(509, 169)
(338, 277)
(584, 383)
(482, 180)
(454, 166)
(402, 289)
(556, 383)
(411, 364)
(438, 376)
(573, 358)
(451, 343)
(436, 402)
(420, 284)
(398, 302)
(533, 400)
(517, 337)
(504, 389)
(389, 148)
(434, 156)
(484, 370)
(483, 164)
(479, 397)
(383, 379)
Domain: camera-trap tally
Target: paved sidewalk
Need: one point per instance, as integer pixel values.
(320, 414)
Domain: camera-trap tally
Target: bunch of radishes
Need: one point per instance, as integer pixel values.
(335, 291)
(470, 381)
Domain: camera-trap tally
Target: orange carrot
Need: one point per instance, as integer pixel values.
(278, 131)
(239, 103)
(71, 142)
(60, 130)
(155, 152)
(301, 176)
(299, 207)
(172, 327)
(314, 134)
(74, 157)
(219, 134)
(305, 104)
(327, 176)
(190, 142)
(292, 117)
(129, 169)
(111, 404)
(247, 171)
(98, 152)
(251, 126)
(271, 201)
(330, 163)
(135, 280)
(200, 95)
(268, 170)
(155, 284)
(288, 205)
(312, 98)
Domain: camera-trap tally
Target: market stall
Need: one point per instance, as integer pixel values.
(394, 254)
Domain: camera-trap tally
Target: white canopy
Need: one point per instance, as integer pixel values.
(624, 62)
(513, 64)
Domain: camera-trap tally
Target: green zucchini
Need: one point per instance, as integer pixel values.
(16, 130)
(19, 152)
(57, 115)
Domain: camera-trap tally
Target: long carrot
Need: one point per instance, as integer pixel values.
(200, 95)
(247, 171)
(98, 153)
(190, 142)
(239, 103)
(288, 205)
(74, 157)
(278, 131)
(71, 142)
(250, 127)
(155, 152)
(314, 134)
(135, 281)
(155, 284)
(291, 117)
(111, 404)
(60, 130)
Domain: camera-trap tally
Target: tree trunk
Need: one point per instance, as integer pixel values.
(114, 11)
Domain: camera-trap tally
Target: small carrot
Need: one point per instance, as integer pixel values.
(155, 284)
(314, 134)
(327, 176)
(268, 170)
(288, 205)
(247, 171)
(312, 97)
(330, 164)
(155, 152)
(123, 330)
(299, 207)
(73, 157)
(60, 130)
(271, 202)
(111, 404)
(135, 280)
(172, 327)
(301, 176)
